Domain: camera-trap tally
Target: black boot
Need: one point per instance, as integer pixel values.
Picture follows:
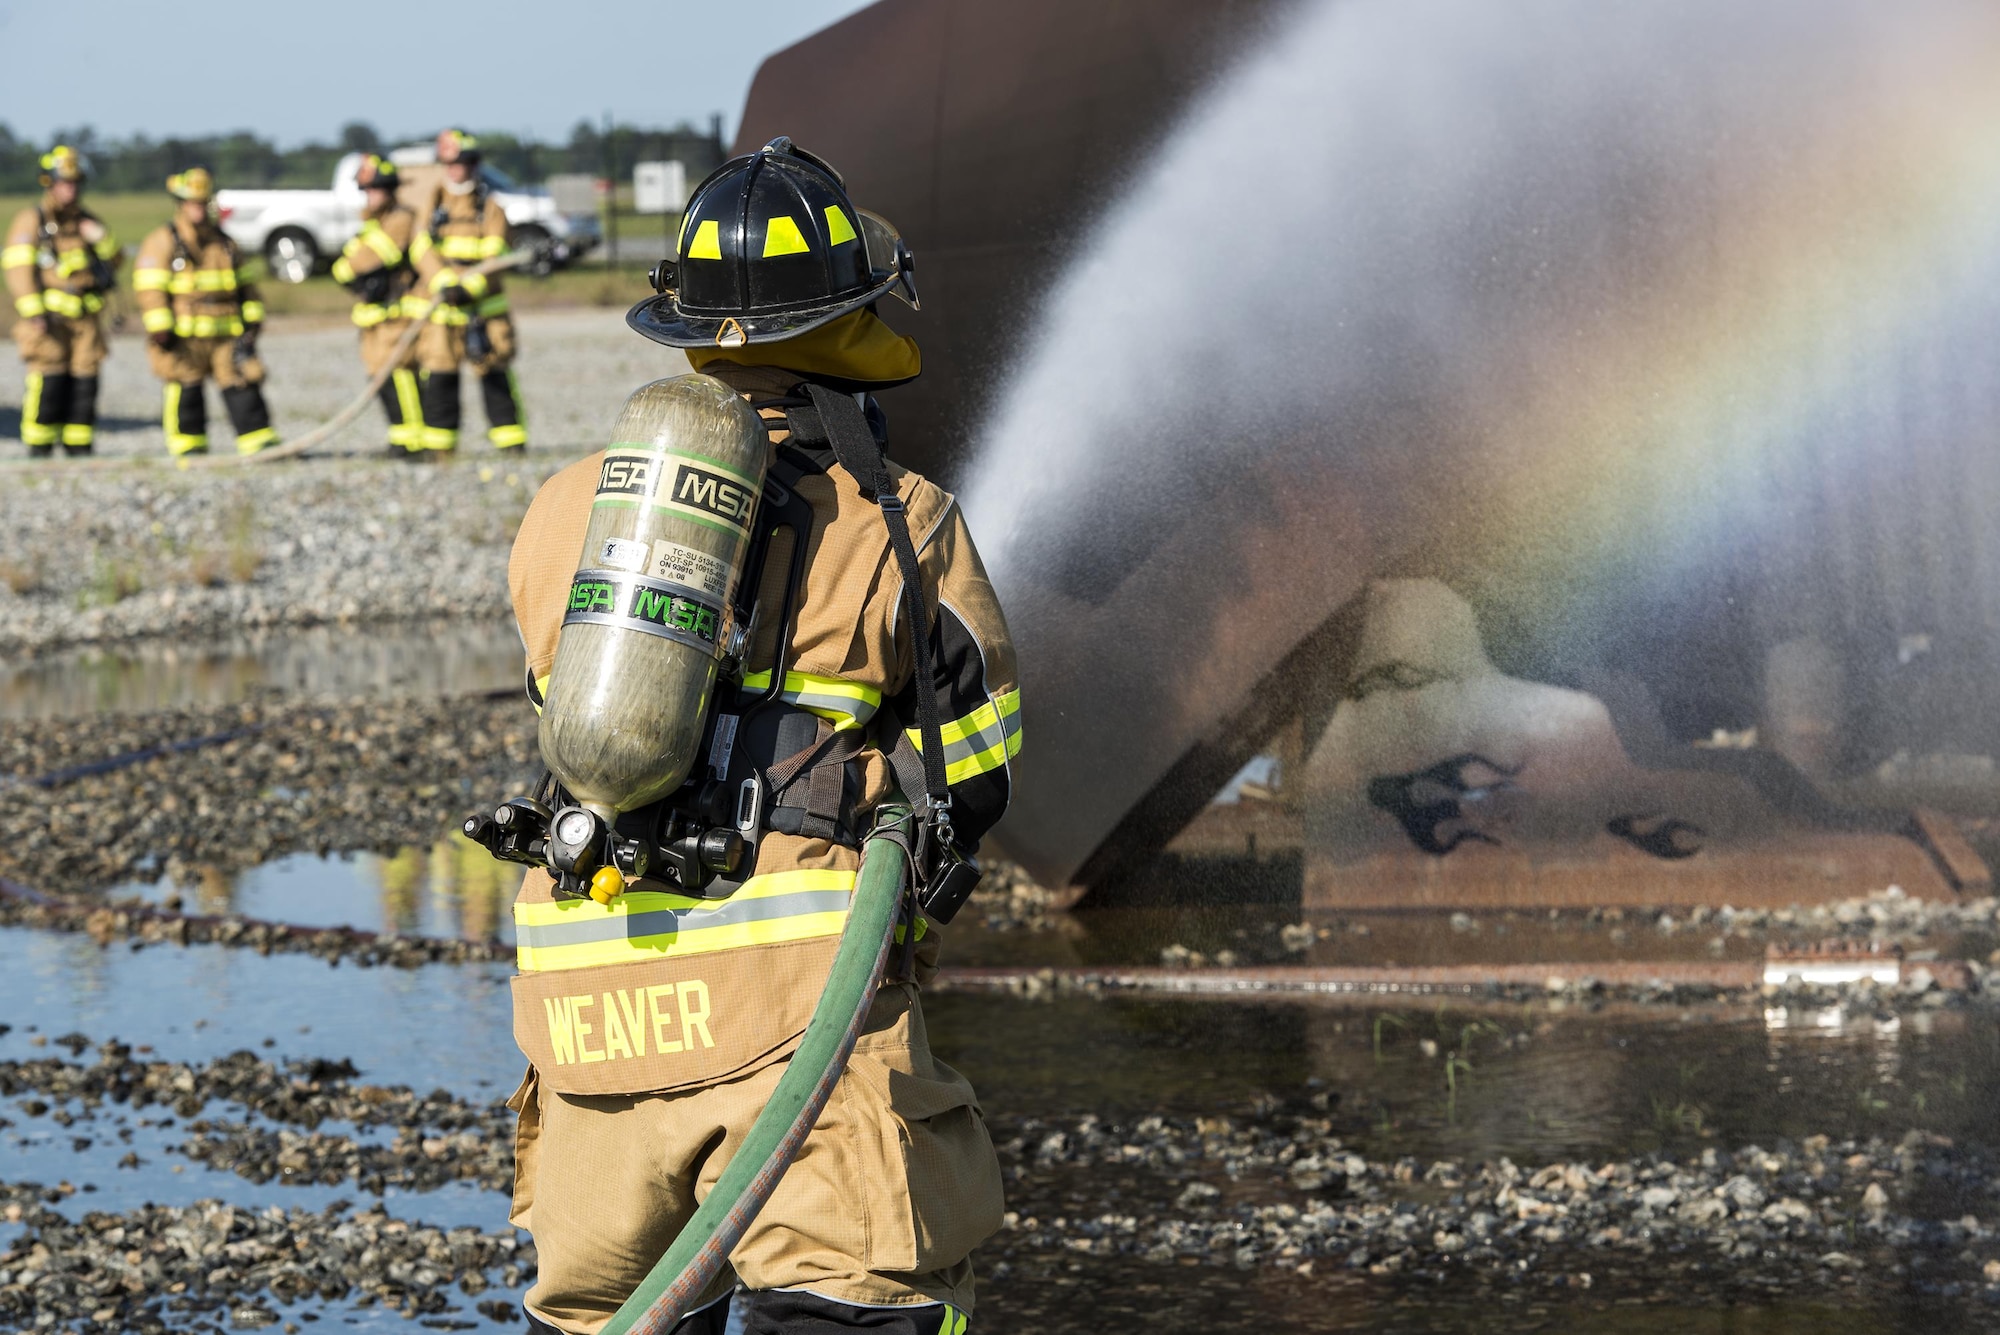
(251, 418)
(79, 433)
(442, 411)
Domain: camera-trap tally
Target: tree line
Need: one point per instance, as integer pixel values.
(248, 161)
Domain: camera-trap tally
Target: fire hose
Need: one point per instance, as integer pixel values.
(326, 430)
(698, 1253)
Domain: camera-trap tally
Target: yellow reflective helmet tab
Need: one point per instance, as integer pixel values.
(782, 237)
(707, 242)
(838, 229)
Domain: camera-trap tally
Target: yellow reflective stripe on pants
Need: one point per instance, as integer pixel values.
(177, 444)
(655, 925)
(844, 704)
(252, 441)
(410, 432)
(32, 431)
(983, 740)
(78, 433)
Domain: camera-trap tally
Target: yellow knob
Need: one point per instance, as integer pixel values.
(607, 885)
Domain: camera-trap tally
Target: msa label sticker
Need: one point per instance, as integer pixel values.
(700, 489)
(684, 565)
(623, 554)
(650, 606)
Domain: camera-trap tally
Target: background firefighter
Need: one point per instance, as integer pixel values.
(375, 266)
(202, 318)
(463, 226)
(60, 262)
(621, 1136)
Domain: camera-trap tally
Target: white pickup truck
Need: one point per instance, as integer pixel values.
(299, 232)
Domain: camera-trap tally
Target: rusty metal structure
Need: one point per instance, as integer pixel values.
(1804, 715)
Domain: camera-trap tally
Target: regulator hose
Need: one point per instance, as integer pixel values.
(699, 1252)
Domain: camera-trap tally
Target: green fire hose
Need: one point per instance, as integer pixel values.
(698, 1254)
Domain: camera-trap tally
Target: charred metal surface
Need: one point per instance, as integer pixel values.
(992, 135)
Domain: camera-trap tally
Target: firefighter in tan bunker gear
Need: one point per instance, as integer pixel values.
(60, 263)
(202, 317)
(459, 227)
(658, 1025)
(375, 266)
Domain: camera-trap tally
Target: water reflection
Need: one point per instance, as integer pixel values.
(325, 662)
(452, 888)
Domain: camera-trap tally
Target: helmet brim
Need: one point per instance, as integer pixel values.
(658, 320)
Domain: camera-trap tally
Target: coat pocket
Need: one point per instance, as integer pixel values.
(937, 1192)
(527, 1105)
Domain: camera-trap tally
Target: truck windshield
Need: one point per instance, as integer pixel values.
(499, 180)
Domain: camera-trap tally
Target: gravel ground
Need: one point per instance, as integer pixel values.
(96, 555)
(290, 778)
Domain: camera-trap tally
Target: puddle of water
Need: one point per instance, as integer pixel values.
(320, 662)
(439, 1026)
(454, 888)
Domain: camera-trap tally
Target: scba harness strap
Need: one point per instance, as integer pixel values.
(946, 876)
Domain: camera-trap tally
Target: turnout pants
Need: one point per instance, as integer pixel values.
(59, 402)
(185, 366)
(400, 394)
(871, 1227)
(441, 350)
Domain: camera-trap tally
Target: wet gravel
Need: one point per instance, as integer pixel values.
(160, 1268)
(276, 1134)
(1282, 1189)
(291, 778)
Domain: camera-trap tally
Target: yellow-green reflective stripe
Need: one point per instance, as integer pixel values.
(30, 306)
(343, 272)
(107, 247)
(493, 306)
(378, 241)
(253, 312)
(72, 261)
(149, 280)
(157, 319)
(982, 740)
(13, 257)
(63, 303)
(845, 704)
(650, 925)
(464, 247)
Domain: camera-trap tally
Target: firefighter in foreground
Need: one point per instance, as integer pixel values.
(461, 226)
(202, 318)
(60, 263)
(375, 266)
(657, 1025)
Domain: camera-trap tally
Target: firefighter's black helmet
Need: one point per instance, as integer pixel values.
(770, 247)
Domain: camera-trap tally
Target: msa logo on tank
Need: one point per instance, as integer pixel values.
(698, 488)
(612, 598)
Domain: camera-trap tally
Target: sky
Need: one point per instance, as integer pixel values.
(295, 72)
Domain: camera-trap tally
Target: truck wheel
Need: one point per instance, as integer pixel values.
(291, 255)
(535, 237)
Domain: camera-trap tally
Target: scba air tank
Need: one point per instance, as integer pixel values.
(648, 617)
